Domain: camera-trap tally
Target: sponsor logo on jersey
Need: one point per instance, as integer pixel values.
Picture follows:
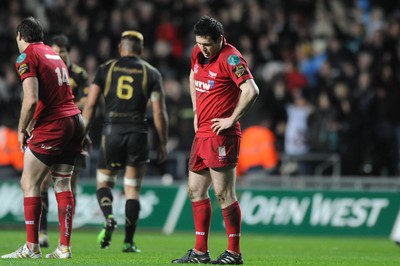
(233, 60)
(204, 87)
(23, 68)
(21, 58)
(212, 74)
(240, 71)
(196, 68)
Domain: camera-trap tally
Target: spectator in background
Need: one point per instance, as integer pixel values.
(365, 104)
(258, 149)
(297, 129)
(322, 126)
(349, 126)
(294, 79)
(11, 157)
(274, 29)
(387, 91)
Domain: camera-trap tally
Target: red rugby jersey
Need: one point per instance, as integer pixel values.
(55, 95)
(217, 86)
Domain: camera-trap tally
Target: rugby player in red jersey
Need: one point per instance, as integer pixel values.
(222, 91)
(78, 79)
(55, 140)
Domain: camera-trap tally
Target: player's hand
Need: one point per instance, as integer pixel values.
(162, 154)
(23, 137)
(219, 124)
(87, 144)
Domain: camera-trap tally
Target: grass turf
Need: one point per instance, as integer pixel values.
(159, 249)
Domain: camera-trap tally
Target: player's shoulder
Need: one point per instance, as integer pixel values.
(78, 70)
(230, 55)
(108, 64)
(228, 50)
(149, 66)
(33, 53)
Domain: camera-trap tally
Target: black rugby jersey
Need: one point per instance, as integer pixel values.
(78, 80)
(127, 84)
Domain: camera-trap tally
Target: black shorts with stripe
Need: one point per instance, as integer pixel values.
(121, 147)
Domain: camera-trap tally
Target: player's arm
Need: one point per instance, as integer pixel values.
(193, 97)
(160, 122)
(248, 96)
(89, 110)
(30, 100)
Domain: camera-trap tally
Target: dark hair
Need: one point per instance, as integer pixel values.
(61, 41)
(31, 30)
(207, 26)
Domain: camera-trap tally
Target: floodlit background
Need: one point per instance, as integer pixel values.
(324, 155)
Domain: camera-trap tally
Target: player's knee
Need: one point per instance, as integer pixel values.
(132, 182)
(195, 194)
(105, 178)
(62, 180)
(224, 197)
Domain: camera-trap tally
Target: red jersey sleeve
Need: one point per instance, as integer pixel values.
(26, 65)
(235, 65)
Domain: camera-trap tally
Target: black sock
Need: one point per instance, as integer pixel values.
(132, 209)
(105, 200)
(45, 211)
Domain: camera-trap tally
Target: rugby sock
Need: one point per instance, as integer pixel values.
(45, 211)
(233, 221)
(65, 202)
(132, 209)
(105, 200)
(32, 209)
(202, 220)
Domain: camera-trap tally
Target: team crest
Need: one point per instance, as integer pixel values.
(221, 153)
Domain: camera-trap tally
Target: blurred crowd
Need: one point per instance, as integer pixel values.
(328, 70)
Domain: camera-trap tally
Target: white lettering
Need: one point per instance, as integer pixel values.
(260, 209)
(52, 57)
(346, 212)
(202, 86)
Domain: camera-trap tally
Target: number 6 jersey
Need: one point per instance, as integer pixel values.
(127, 84)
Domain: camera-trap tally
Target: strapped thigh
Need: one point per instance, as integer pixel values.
(59, 177)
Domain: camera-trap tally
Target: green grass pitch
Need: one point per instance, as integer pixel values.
(160, 249)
